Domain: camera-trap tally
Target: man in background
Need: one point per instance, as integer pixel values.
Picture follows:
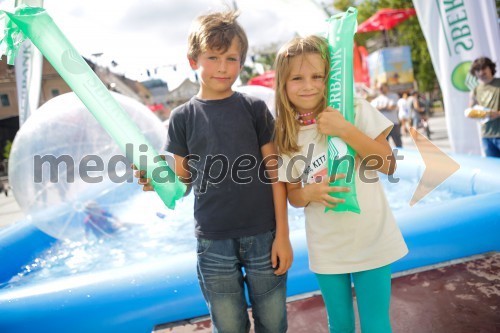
(387, 103)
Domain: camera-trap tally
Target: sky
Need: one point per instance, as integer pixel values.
(142, 35)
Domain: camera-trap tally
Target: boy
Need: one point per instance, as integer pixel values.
(487, 94)
(220, 139)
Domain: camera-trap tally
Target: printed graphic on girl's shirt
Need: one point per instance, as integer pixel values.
(315, 171)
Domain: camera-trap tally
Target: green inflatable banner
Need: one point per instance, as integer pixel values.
(35, 23)
(341, 157)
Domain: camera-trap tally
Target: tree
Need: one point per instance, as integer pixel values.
(342, 5)
(408, 33)
(265, 56)
(6, 149)
(247, 73)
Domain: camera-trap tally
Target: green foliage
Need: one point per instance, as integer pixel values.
(247, 73)
(365, 10)
(342, 5)
(264, 56)
(6, 149)
(408, 33)
(411, 34)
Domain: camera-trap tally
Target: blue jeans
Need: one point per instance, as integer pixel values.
(491, 147)
(224, 267)
(395, 134)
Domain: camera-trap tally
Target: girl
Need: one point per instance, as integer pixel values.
(342, 245)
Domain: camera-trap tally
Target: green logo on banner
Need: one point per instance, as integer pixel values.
(461, 79)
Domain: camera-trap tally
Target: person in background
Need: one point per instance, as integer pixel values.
(404, 113)
(418, 113)
(4, 187)
(487, 95)
(387, 103)
(99, 221)
(343, 246)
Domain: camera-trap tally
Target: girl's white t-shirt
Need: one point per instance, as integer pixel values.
(346, 242)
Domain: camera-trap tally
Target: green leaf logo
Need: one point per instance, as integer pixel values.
(460, 77)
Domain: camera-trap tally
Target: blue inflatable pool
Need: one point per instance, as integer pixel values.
(137, 297)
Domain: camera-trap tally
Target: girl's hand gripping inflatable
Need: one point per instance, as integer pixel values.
(35, 24)
(341, 157)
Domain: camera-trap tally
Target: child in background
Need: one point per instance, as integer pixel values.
(99, 221)
(404, 113)
(342, 245)
(419, 115)
(220, 139)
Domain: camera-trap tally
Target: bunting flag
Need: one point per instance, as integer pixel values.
(457, 32)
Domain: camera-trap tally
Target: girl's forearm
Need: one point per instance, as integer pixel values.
(298, 197)
(375, 152)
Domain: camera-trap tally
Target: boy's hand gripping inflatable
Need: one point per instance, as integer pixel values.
(340, 87)
(35, 24)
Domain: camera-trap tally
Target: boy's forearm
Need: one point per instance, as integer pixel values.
(189, 186)
(279, 190)
(181, 169)
(280, 209)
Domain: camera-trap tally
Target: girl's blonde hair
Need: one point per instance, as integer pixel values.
(287, 126)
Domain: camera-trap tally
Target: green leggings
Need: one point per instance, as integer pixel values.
(373, 293)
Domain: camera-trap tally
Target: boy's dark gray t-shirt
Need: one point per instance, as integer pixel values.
(222, 140)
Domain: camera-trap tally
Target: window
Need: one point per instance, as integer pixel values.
(4, 99)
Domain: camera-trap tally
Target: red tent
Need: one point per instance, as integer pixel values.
(360, 64)
(266, 79)
(360, 71)
(386, 19)
(155, 107)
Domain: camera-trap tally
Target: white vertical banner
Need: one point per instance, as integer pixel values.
(28, 66)
(457, 32)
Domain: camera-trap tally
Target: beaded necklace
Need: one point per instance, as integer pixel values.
(306, 121)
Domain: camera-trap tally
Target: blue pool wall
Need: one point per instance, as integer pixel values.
(138, 297)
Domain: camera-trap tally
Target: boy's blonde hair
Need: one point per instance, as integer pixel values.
(287, 126)
(216, 31)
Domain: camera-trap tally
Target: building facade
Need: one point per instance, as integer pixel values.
(53, 85)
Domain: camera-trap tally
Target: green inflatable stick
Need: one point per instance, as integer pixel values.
(35, 24)
(341, 157)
